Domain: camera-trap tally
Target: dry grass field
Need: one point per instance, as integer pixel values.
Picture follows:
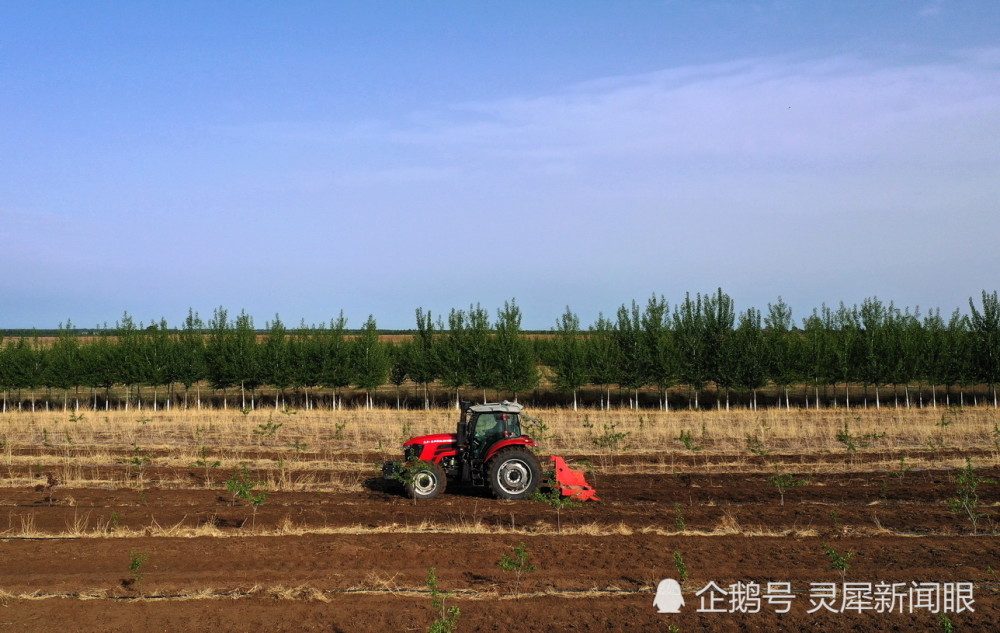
(123, 520)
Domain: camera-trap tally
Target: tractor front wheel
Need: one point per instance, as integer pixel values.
(514, 473)
(426, 482)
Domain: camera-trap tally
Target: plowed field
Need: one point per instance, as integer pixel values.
(118, 539)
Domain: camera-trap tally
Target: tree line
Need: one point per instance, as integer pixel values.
(650, 354)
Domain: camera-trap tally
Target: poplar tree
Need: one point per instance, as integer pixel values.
(245, 357)
(129, 355)
(401, 358)
(423, 365)
(985, 322)
(451, 353)
(369, 359)
(5, 374)
(847, 351)
(817, 349)
(875, 344)
(155, 360)
(478, 352)
(658, 341)
(277, 364)
(338, 370)
(513, 355)
(633, 360)
(603, 357)
(781, 347)
(63, 362)
(189, 355)
(569, 362)
(751, 370)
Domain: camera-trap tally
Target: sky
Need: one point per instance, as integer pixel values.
(372, 157)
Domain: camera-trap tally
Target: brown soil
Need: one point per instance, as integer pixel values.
(65, 552)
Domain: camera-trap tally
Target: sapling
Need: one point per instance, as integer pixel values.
(967, 491)
(852, 442)
(611, 439)
(537, 429)
(207, 464)
(903, 468)
(783, 481)
(518, 563)
(554, 498)
(687, 440)
(838, 562)
(679, 522)
(338, 432)
(267, 429)
(139, 460)
(756, 446)
(947, 626)
(447, 618)
(242, 486)
(136, 561)
(682, 570)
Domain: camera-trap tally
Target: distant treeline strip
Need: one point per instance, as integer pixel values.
(700, 343)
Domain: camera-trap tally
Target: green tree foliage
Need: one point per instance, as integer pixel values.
(602, 356)
(658, 340)
(632, 352)
(985, 322)
(697, 344)
(568, 356)
(477, 350)
(451, 353)
(513, 355)
(369, 359)
(422, 363)
(781, 346)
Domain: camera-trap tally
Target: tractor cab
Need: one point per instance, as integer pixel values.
(487, 424)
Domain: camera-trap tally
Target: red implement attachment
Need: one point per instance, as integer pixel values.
(571, 482)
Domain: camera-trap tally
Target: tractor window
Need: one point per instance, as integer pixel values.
(487, 425)
(514, 425)
(492, 426)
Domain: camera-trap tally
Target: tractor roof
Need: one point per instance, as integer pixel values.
(497, 407)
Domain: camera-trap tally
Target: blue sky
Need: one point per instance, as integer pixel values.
(306, 158)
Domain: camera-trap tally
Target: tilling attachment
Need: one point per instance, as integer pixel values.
(571, 483)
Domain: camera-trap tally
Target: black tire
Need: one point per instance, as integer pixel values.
(428, 482)
(514, 473)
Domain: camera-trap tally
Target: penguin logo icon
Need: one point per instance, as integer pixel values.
(668, 596)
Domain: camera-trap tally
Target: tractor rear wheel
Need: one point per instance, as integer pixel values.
(426, 482)
(514, 473)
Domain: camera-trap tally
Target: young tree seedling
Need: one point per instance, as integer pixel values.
(242, 486)
(207, 464)
(783, 481)
(518, 563)
(967, 494)
(136, 561)
(679, 522)
(139, 460)
(682, 570)
(554, 498)
(687, 440)
(838, 562)
(756, 446)
(447, 617)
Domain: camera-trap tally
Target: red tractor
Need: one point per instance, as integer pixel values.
(488, 449)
